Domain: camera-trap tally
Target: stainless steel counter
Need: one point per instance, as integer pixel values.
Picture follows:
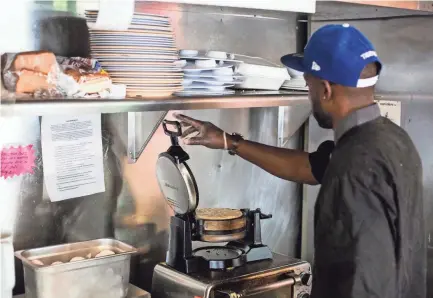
(257, 99)
(133, 292)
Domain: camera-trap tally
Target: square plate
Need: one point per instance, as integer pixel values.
(198, 92)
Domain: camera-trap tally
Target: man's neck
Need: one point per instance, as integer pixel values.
(352, 106)
(358, 116)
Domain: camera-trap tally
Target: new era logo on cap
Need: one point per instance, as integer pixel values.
(336, 53)
(315, 66)
(369, 54)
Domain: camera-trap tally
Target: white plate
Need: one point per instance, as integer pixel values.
(133, 43)
(142, 63)
(192, 68)
(224, 79)
(205, 86)
(296, 85)
(131, 35)
(136, 21)
(294, 88)
(164, 64)
(137, 58)
(114, 73)
(128, 37)
(141, 43)
(140, 26)
(197, 92)
(212, 82)
(140, 15)
(118, 36)
(115, 65)
(135, 53)
(207, 58)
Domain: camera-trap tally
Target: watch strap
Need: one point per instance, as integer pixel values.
(236, 139)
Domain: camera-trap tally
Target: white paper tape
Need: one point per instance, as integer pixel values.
(114, 15)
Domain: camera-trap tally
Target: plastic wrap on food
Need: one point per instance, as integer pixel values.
(45, 76)
(85, 64)
(36, 73)
(88, 73)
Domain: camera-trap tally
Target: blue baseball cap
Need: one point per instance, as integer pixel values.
(337, 53)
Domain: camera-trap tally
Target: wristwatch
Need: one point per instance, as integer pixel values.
(236, 139)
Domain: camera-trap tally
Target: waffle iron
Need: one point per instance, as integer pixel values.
(242, 230)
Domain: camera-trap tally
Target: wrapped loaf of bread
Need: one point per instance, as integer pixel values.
(29, 81)
(29, 72)
(41, 62)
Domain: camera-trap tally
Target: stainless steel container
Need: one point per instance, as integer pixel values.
(106, 277)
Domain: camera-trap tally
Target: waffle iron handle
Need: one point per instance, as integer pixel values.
(290, 281)
(174, 135)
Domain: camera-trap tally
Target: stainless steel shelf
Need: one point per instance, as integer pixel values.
(29, 106)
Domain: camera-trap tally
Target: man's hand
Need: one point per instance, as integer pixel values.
(208, 135)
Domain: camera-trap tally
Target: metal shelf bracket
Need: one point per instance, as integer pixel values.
(138, 128)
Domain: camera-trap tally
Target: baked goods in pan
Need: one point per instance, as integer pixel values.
(217, 213)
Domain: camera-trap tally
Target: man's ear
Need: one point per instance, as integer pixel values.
(327, 90)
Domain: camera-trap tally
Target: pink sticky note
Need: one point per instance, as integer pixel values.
(17, 161)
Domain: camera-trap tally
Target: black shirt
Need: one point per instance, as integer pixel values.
(369, 228)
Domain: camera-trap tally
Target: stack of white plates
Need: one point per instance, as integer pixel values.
(295, 84)
(297, 81)
(208, 73)
(142, 57)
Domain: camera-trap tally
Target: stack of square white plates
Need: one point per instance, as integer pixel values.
(142, 57)
(297, 81)
(208, 73)
(298, 84)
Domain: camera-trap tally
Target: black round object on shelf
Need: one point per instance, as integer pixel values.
(221, 258)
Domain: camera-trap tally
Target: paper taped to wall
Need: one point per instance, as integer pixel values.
(72, 156)
(17, 161)
(114, 15)
(391, 110)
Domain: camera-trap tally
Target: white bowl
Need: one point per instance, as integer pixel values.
(216, 55)
(294, 73)
(228, 71)
(188, 53)
(211, 63)
(187, 82)
(180, 63)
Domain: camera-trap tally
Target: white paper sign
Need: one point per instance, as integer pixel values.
(391, 110)
(72, 156)
(114, 15)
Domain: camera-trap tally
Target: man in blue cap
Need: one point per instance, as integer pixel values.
(369, 227)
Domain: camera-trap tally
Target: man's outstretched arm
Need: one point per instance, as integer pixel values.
(288, 164)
